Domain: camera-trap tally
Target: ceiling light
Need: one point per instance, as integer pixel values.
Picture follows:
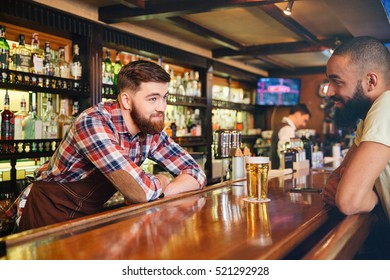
(288, 9)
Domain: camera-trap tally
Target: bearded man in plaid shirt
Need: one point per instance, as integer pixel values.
(102, 153)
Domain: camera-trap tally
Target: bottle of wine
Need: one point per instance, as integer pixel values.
(117, 66)
(48, 67)
(36, 55)
(63, 66)
(20, 116)
(7, 120)
(50, 121)
(64, 121)
(76, 68)
(75, 110)
(33, 123)
(308, 146)
(4, 49)
(108, 70)
(22, 56)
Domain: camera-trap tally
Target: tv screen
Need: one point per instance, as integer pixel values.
(278, 91)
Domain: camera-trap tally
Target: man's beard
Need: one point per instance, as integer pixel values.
(353, 110)
(145, 125)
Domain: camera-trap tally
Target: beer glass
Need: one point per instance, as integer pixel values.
(257, 179)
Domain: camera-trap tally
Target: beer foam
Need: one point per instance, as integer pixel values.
(257, 160)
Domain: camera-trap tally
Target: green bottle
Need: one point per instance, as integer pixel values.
(4, 49)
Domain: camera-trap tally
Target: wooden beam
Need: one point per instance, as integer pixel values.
(206, 33)
(290, 23)
(171, 8)
(298, 71)
(132, 3)
(272, 49)
(276, 62)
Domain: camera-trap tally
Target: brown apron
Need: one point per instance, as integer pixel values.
(53, 202)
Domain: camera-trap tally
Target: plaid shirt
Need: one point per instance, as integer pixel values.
(99, 140)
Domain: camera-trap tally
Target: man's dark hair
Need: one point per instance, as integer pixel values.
(134, 73)
(302, 108)
(366, 53)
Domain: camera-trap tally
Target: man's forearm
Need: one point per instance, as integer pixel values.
(182, 183)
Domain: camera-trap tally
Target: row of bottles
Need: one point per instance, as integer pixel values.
(182, 83)
(186, 84)
(182, 121)
(29, 125)
(110, 70)
(231, 119)
(297, 150)
(32, 59)
(230, 94)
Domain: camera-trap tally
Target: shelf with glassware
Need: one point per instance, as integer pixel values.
(43, 81)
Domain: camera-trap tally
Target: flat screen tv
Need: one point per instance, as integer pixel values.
(278, 91)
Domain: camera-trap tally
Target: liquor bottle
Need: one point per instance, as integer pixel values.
(49, 121)
(63, 66)
(190, 123)
(22, 56)
(295, 150)
(198, 123)
(173, 128)
(7, 120)
(197, 85)
(117, 66)
(308, 146)
(76, 70)
(11, 59)
(20, 116)
(180, 90)
(48, 67)
(33, 123)
(172, 86)
(75, 110)
(64, 121)
(36, 55)
(188, 78)
(301, 150)
(108, 70)
(4, 49)
(184, 82)
(193, 84)
(239, 123)
(287, 157)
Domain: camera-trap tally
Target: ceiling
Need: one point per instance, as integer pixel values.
(256, 33)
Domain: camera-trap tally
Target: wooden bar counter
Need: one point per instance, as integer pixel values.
(214, 223)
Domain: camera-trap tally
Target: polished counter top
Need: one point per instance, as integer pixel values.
(214, 223)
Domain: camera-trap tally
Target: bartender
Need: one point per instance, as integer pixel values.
(298, 117)
(102, 153)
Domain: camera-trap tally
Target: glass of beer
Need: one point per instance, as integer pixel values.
(257, 178)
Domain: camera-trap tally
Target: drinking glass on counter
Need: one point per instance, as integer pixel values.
(257, 179)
